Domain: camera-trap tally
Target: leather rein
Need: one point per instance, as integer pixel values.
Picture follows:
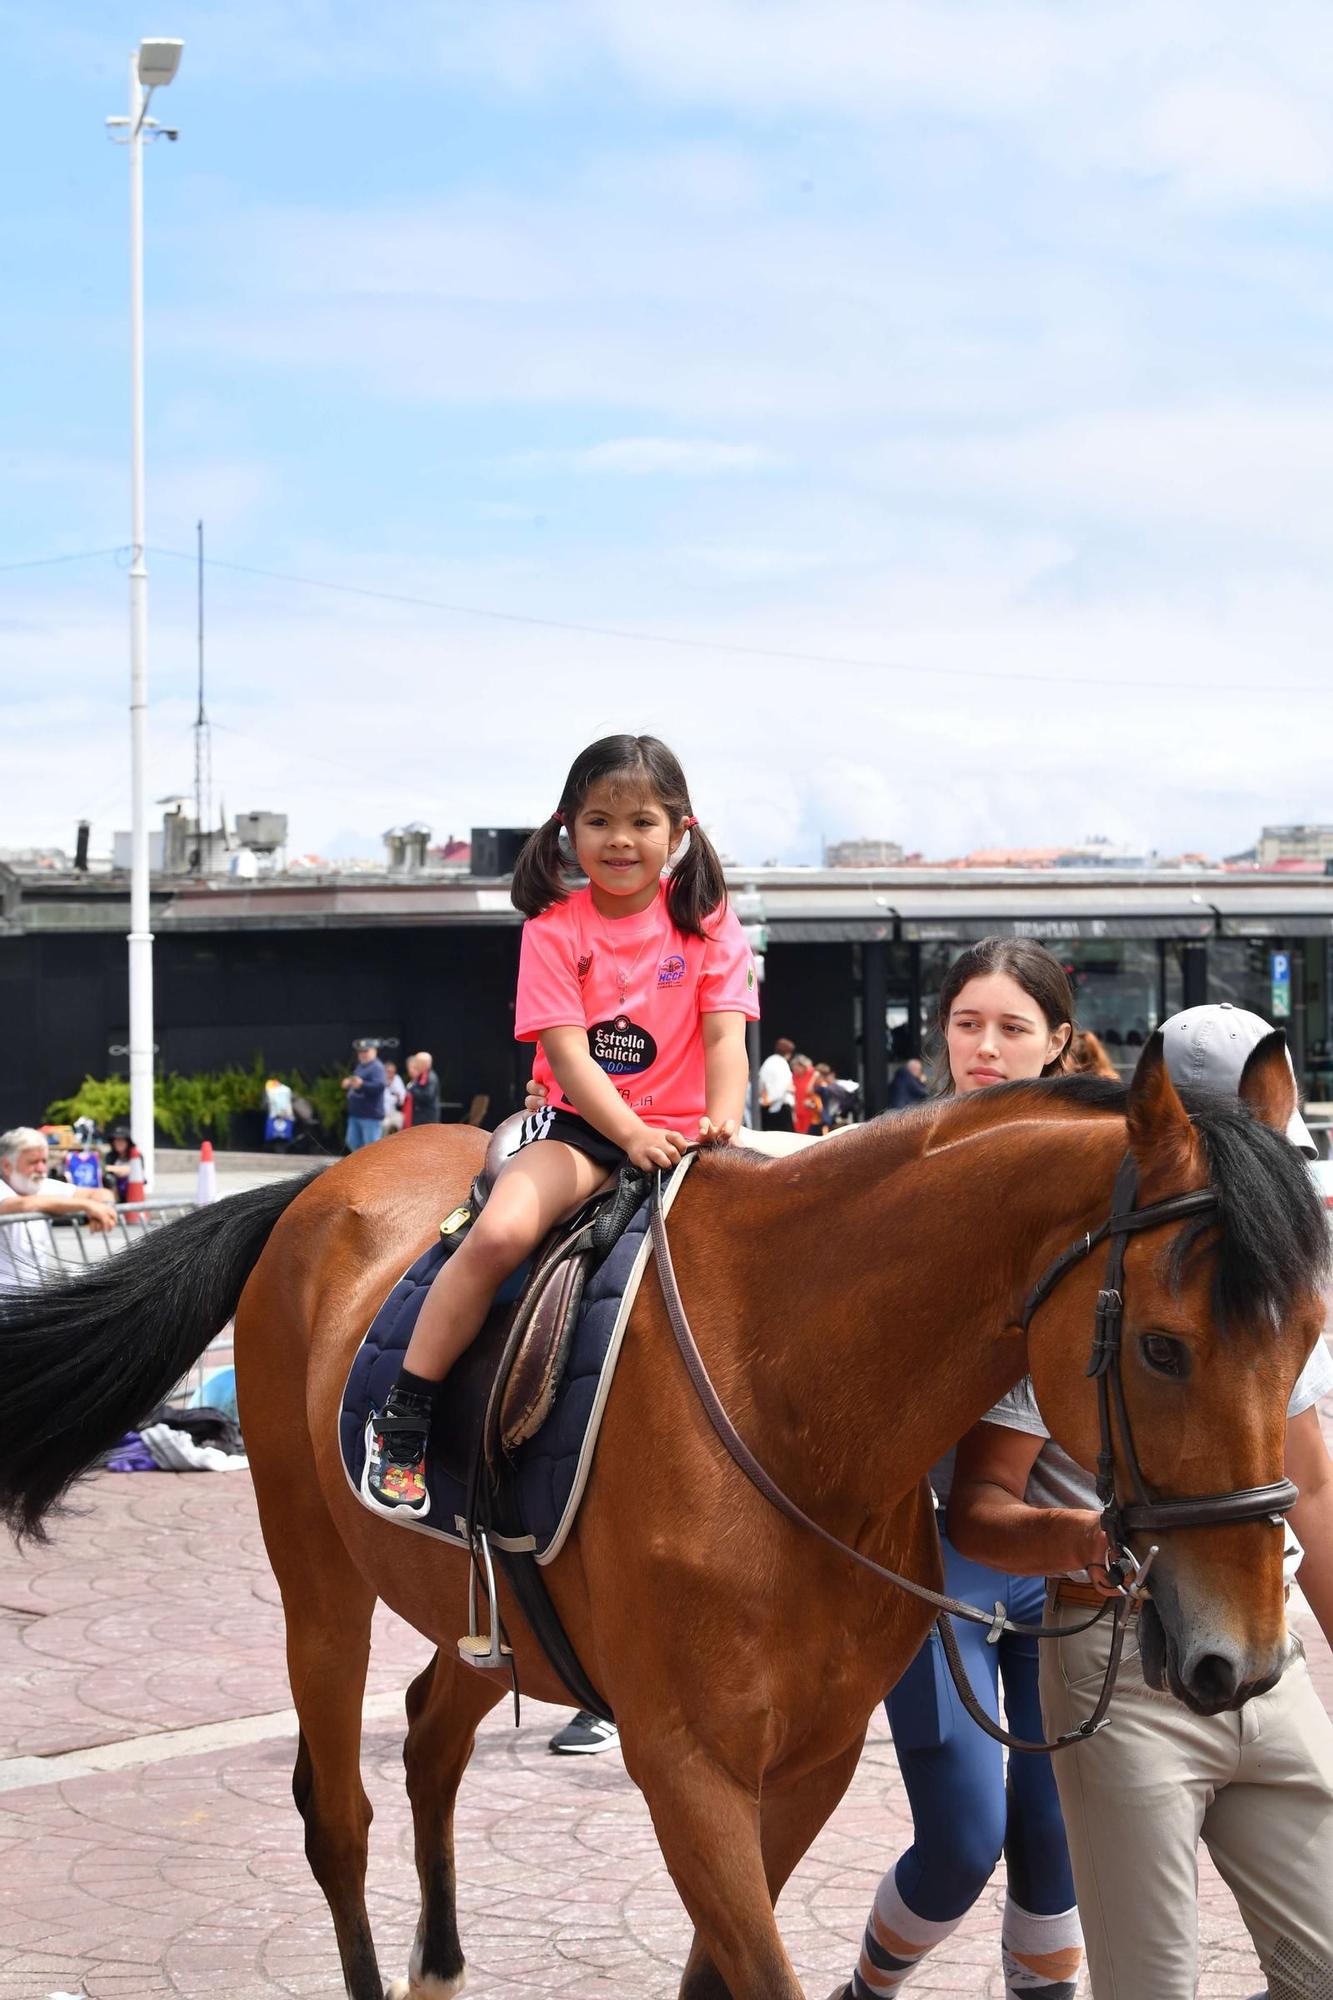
(1246, 1504)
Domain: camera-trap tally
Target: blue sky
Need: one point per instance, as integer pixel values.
(984, 345)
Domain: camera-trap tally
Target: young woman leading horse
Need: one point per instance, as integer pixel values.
(742, 1657)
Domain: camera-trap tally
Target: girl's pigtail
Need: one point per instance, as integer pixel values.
(539, 872)
(698, 887)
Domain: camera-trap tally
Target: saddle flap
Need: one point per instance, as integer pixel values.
(539, 1364)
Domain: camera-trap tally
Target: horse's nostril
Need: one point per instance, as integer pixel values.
(1213, 1678)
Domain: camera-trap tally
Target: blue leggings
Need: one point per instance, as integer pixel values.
(964, 1815)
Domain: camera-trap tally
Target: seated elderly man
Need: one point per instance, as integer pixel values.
(26, 1190)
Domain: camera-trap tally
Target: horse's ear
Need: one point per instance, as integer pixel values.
(1161, 1137)
(1267, 1083)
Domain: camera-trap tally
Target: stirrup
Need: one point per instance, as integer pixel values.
(475, 1648)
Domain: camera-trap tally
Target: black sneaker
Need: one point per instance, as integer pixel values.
(393, 1480)
(584, 1735)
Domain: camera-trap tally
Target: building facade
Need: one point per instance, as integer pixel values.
(293, 967)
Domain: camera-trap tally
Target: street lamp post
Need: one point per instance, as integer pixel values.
(152, 66)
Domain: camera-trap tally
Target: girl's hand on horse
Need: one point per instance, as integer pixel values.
(652, 1147)
(720, 1134)
(534, 1098)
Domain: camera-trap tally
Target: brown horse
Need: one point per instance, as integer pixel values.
(858, 1308)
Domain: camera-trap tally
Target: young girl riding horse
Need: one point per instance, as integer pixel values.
(637, 987)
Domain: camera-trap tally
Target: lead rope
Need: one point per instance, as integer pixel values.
(997, 1623)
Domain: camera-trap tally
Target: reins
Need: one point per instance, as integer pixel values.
(1244, 1504)
(997, 1623)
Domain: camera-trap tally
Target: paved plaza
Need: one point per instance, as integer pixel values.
(149, 1845)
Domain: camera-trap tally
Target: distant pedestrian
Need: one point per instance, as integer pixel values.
(775, 1091)
(909, 1086)
(365, 1096)
(123, 1166)
(834, 1097)
(395, 1092)
(807, 1112)
(423, 1089)
(279, 1115)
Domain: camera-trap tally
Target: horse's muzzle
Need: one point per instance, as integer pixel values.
(1211, 1679)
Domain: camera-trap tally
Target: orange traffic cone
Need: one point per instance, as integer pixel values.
(134, 1186)
(206, 1180)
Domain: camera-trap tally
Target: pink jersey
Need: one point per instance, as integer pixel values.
(638, 986)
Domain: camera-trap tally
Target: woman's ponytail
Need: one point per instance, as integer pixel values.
(541, 870)
(697, 888)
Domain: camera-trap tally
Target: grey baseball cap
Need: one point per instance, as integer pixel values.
(1206, 1049)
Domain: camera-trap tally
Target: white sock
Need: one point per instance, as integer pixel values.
(1042, 1955)
(896, 1940)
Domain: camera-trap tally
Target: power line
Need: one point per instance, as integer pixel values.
(46, 562)
(847, 660)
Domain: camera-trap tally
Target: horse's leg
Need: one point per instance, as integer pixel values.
(790, 1817)
(707, 1826)
(328, 1646)
(328, 1607)
(444, 1705)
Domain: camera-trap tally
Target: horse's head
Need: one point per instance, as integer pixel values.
(1220, 1312)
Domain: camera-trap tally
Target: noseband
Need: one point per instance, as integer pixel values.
(1106, 1367)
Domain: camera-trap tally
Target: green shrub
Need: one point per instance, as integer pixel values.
(203, 1104)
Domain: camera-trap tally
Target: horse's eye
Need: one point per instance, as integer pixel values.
(1165, 1356)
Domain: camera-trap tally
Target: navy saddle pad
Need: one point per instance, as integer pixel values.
(545, 1483)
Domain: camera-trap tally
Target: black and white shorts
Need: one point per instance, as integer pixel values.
(553, 1121)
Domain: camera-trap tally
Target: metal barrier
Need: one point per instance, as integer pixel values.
(38, 1250)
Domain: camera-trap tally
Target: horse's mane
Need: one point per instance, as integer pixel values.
(1272, 1244)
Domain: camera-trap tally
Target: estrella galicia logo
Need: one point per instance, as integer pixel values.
(671, 971)
(621, 1047)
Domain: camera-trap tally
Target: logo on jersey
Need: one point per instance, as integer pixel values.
(621, 1047)
(584, 964)
(671, 971)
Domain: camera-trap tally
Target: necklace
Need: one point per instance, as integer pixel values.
(622, 978)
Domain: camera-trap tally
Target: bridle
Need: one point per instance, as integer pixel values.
(1106, 1367)
(1250, 1503)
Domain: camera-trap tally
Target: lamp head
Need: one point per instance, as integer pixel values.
(158, 62)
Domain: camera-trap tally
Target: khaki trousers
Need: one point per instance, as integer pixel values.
(1256, 1787)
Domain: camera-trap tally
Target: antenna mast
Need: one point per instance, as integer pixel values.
(203, 745)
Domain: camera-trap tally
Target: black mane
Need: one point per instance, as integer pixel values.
(1273, 1245)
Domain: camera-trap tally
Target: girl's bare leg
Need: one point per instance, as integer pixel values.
(538, 1186)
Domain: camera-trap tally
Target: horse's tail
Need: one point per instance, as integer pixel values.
(85, 1359)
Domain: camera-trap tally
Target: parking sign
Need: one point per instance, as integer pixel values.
(1279, 969)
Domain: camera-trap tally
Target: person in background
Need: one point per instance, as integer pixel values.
(423, 1089)
(775, 1092)
(908, 1086)
(279, 1115)
(1005, 1015)
(807, 1111)
(395, 1093)
(123, 1163)
(365, 1096)
(1255, 1785)
(26, 1190)
(83, 1162)
(1087, 1055)
(832, 1097)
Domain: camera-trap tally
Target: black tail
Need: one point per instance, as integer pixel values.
(84, 1360)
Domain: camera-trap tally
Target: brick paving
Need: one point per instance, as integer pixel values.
(154, 1610)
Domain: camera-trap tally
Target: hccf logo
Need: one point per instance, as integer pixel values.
(671, 971)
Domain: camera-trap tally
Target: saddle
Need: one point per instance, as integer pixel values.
(502, 1389)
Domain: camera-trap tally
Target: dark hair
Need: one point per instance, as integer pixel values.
(1041, 976)
(696, 889)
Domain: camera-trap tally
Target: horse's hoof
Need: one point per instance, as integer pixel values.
(426, 1988)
